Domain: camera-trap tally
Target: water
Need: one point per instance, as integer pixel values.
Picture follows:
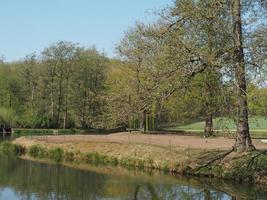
(28, 180)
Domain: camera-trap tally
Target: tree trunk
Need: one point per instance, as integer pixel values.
(143, 122)
(243, 139)
(51, 74)
(64, 122)
(208, 126)
(60, 98)
(32, 98)
(10, 101)
(66, 104)
(52, 106)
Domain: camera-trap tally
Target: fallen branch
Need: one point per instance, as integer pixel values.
(252, 161)
(214, 160)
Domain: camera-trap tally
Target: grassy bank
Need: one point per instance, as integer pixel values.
(18, 132)
(246, 167)
(258, 126)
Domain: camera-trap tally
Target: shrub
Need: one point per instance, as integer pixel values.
(29, 132)
(128, 162)
(11, 149)
(96, 158)
(112, 160)
(141, 163)
(69, 156)
(93, 158)
(165, 166)
(56, 154)
(37, 151)
(150, 163)
(72, 131)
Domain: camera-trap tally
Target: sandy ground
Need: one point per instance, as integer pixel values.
(181, 141)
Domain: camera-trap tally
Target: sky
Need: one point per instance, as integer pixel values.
(28, 26)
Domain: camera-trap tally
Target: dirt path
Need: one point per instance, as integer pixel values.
(161, 140)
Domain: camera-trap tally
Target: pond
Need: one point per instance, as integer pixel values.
(23, 179)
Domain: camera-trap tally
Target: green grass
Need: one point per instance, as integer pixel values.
(28, 132)
(18, 132)
(258, 125)
(8, 148)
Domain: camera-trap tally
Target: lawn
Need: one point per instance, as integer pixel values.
(257, 125)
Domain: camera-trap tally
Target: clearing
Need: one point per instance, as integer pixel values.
(258, 126)
(182, 141)
(182, 154)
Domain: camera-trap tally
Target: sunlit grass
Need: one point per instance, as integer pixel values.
(258, 125)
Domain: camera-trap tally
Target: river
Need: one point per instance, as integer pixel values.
(28, 180)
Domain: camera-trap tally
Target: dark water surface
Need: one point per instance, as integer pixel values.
(28, 180)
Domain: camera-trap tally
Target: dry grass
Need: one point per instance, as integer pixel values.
(169, 141)
(159, 154)
(209, 157)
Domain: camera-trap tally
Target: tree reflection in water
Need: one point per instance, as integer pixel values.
(20, 179)
(148, 191)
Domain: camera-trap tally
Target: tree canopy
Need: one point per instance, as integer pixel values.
(200, 59)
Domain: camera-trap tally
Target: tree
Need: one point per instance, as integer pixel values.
(60, 59)
(120, 95)
(88, 87)
(209, 39)
(243, 140)
(140, 49)
(257, 97)
(198, 32)
(201, 99)
(11, 94)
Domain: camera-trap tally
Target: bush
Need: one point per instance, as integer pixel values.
(40, 132)
(72, 131)
(96, 158)
(141, 163)
(37, 151)
(11, 149)
(93, 158)
(69, 156)
(29, 132)
(56, 154)
(165, 167)
(128, 162)
(113, 160)
(150, 163)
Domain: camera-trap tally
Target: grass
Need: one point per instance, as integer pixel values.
(258, 125)
(28, 132)
(246, 167)
(18, 132)
(8, 148)
(37, 151)
(56, 154)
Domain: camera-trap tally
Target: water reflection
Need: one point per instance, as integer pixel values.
(176, 192)
(6, 137)
(27, 180)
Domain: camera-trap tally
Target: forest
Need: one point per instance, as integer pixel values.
(199, 60)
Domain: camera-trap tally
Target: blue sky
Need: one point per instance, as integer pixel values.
(29, 26)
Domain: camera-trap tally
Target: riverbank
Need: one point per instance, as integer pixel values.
(42, 177)
(219, 163)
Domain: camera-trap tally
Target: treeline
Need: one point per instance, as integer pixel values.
(195, 61)
(69, 86)
(61, 88)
